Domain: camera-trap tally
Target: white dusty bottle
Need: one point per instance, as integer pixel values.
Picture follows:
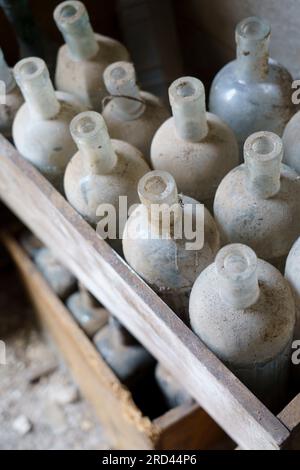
(10, 98)
(291, 143)
(254, 91)
(196, 147)
(83, 58)
(101, 172)
(126, 357)
(242, 308)
(157, 244)
(292, 274)
(258, 202)
(87, 311)
(41, 126)
(173, 392)
(131, 114)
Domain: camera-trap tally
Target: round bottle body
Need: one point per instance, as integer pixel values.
(254, 342)
(290, 140)
(198, 167)
(292, 274)
(86, 189)
(165, 263)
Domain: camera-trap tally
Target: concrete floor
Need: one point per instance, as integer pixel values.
(40, 406)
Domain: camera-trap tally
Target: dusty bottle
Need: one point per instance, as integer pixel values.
(292, 274)
(41, 126)
(87, 311)
(157, 244)
(83, 59)
(291, 143)
(131, 115)
(126, 357)
(10, 98)
(252, 92)
(101, 171)
(242, 308)
(258, 202)
(174, 394)
(196, 147)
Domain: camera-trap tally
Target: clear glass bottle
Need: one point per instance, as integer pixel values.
(83, 58)
(196, 147)
(102, 170)
(41, 126)
(10, 98)
(254, 91)
(87, 311)
(126, 357)
(258, 203)
(131, 115)
(242, 308)
(292, 274)
(155, 243)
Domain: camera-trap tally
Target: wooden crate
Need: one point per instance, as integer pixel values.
(184, 427)
(244, 418)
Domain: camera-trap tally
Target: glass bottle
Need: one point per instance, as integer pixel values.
(174, 394)
(258, 202)
(83, 58)
(131, 115)
(196, 147)
(87, 311)
(242, 308)
(41, 126)
(253, 92)
(10, 98)
(156, 243)
(101, 172)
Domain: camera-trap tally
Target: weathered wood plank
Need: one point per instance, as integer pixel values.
(124, 294)
(290, 417)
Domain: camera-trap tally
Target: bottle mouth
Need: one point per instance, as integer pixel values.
(68, 12)
(29, 69)
(85, 126)
(253, 29)
(117, 75)
(186, 89)
(157, 187)
(263, 147)
(236, 262)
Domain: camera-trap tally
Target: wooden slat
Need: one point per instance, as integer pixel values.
(290, 417)
(124, 294)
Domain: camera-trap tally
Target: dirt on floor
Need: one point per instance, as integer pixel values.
(40, 405)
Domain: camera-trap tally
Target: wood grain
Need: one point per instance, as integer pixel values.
(123, 293)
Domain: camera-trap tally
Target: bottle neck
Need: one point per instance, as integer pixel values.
(236, 267)
(73, 22)
(6, 74)
(252, 38)
(263, 153)
(89, 131)
(187, 99)
(158, 194)
(120, 81)
(33, 79)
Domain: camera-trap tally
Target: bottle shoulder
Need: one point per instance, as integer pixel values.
(255, 334)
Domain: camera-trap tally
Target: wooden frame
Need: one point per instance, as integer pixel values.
(184, 427)
(244, 418)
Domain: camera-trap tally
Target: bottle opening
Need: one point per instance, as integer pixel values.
(155, 185)
(68, 12)
(187, 89)
(263, 145)
(253, 28)
(29, 68)
(86, 126)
